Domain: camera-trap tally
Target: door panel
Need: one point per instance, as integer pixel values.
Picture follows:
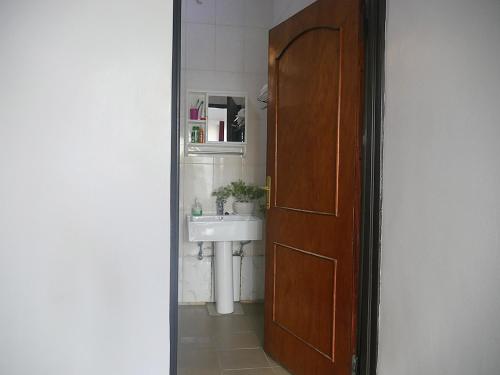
(314, 118)
(304, 302)
(298, 102)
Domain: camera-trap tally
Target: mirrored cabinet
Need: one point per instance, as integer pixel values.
(216, 123)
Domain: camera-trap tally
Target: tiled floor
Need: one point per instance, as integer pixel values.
(223, 345)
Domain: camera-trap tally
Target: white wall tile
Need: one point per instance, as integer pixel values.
(258, 13)
(197, 280)
(198, 183)
(229, 49)
(197, 159)
(280, 10)
(230, 12)
(183, 235)
(284, 9)
(255, 247)
(229, 159)
(193, 11)
(226, 173)
(252, 278)
(181, 187)
(231, 81)
(256, 45)
(191, 249)
(254, 174)
(200, 46)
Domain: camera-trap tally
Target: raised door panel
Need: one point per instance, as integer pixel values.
(307, 111)
(304, 301)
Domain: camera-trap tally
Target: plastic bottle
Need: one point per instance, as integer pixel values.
(201, 136)
(196, 210)
(195, 134)
(221, 131)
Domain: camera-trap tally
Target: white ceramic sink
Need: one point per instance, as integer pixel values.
(224, 228)
(221, 230)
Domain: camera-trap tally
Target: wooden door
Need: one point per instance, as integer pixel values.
(314, 126)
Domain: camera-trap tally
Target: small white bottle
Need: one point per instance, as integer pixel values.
(196, 210)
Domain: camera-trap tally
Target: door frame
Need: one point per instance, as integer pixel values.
(371, 189)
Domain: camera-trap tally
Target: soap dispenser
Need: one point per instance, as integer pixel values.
(196, 210)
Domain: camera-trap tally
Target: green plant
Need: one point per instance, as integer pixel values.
(245, 193)
(222, 193)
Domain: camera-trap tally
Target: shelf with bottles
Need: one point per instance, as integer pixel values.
(197, 133)
(215, 123)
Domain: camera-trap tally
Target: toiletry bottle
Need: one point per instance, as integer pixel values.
(221, 131)
(196, 210)
(195, 134)
(201, 136)
(201, 113)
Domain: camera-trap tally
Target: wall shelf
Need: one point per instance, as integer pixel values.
(211, 147)
(216, 148)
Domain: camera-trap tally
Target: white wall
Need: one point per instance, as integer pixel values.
(283, 9)
(84, 186)
(224, 49)
(441, 219)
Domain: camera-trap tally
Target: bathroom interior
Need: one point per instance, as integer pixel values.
(223, 128)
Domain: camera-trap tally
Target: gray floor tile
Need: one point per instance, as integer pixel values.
(234, 324)
(272, 361)
(240, 340)
(196, 342)
(222, 345)
(184, 371)
(253, 308)
(190, 371)
(199, 360)
(280, 371)
(242, 359)
(201, 326)
(257, 371)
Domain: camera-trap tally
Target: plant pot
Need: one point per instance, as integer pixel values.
(243, 208)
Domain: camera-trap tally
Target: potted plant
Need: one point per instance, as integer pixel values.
(221, 196)
(245, 196)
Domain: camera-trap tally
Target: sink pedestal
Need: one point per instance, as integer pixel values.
(222, 230)
(224, 277)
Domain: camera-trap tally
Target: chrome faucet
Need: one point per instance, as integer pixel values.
(220, 207)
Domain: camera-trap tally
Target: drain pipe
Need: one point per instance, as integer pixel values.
(242, 244)
(200, 257)
(237, 270)
(200, 250)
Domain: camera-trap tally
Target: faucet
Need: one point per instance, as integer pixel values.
(220, 207)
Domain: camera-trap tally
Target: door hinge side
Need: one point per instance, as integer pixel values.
(354, 365)
(366, 19)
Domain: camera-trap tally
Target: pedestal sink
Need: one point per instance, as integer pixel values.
(222, 230)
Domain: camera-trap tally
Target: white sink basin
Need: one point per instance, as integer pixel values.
(224, 228)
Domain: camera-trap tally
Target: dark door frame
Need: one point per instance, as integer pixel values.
(367, 331)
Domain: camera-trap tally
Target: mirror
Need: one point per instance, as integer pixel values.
(226, 118)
